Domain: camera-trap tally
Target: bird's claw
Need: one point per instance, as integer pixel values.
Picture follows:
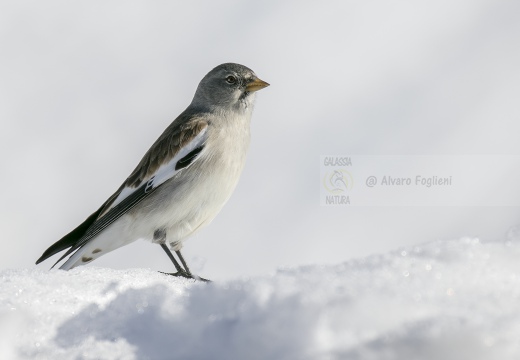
(186, 275)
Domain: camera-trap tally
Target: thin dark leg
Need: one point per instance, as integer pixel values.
(170, 255)
(178, 252)
(180, 271)
(159, 235)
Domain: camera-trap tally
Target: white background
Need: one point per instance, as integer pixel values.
(86, 87)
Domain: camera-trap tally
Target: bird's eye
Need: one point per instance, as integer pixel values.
(231, 79)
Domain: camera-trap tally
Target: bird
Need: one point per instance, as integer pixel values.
(183, 180)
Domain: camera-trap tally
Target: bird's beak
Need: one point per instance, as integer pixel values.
(256, 85)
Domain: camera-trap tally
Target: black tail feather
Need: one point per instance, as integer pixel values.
(71, 238)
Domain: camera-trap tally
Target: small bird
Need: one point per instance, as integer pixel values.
(182, 182)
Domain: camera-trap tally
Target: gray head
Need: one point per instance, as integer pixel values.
(228, 86)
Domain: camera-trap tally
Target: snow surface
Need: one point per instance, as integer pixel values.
(455, 299)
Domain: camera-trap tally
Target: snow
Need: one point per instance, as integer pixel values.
(457, 299)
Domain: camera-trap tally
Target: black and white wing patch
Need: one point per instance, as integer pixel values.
(177, 148)
(165, 170)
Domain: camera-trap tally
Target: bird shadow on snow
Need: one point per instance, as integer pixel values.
(203, 321)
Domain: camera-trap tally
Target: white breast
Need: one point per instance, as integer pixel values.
(196, 195)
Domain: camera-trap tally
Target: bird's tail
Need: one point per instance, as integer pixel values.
(70, 239)
(111, 238)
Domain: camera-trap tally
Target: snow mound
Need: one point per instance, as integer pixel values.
(443, 300)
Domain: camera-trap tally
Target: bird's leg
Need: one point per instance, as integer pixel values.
(159, 236)
(181, 258)
(180, 270)
(178, 252)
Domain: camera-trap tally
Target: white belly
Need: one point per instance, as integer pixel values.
(193, 198)
(184, 204)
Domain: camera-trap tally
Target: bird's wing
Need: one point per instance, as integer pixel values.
(176, 149)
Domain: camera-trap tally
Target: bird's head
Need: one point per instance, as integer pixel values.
(228, 86)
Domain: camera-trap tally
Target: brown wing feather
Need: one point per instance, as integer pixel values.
(165, 148)
(178, 134)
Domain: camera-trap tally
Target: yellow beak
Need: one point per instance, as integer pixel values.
(256, 85)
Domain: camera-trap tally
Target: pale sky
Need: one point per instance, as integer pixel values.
(86, 87)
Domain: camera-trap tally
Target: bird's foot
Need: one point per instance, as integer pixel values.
(186, 275)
